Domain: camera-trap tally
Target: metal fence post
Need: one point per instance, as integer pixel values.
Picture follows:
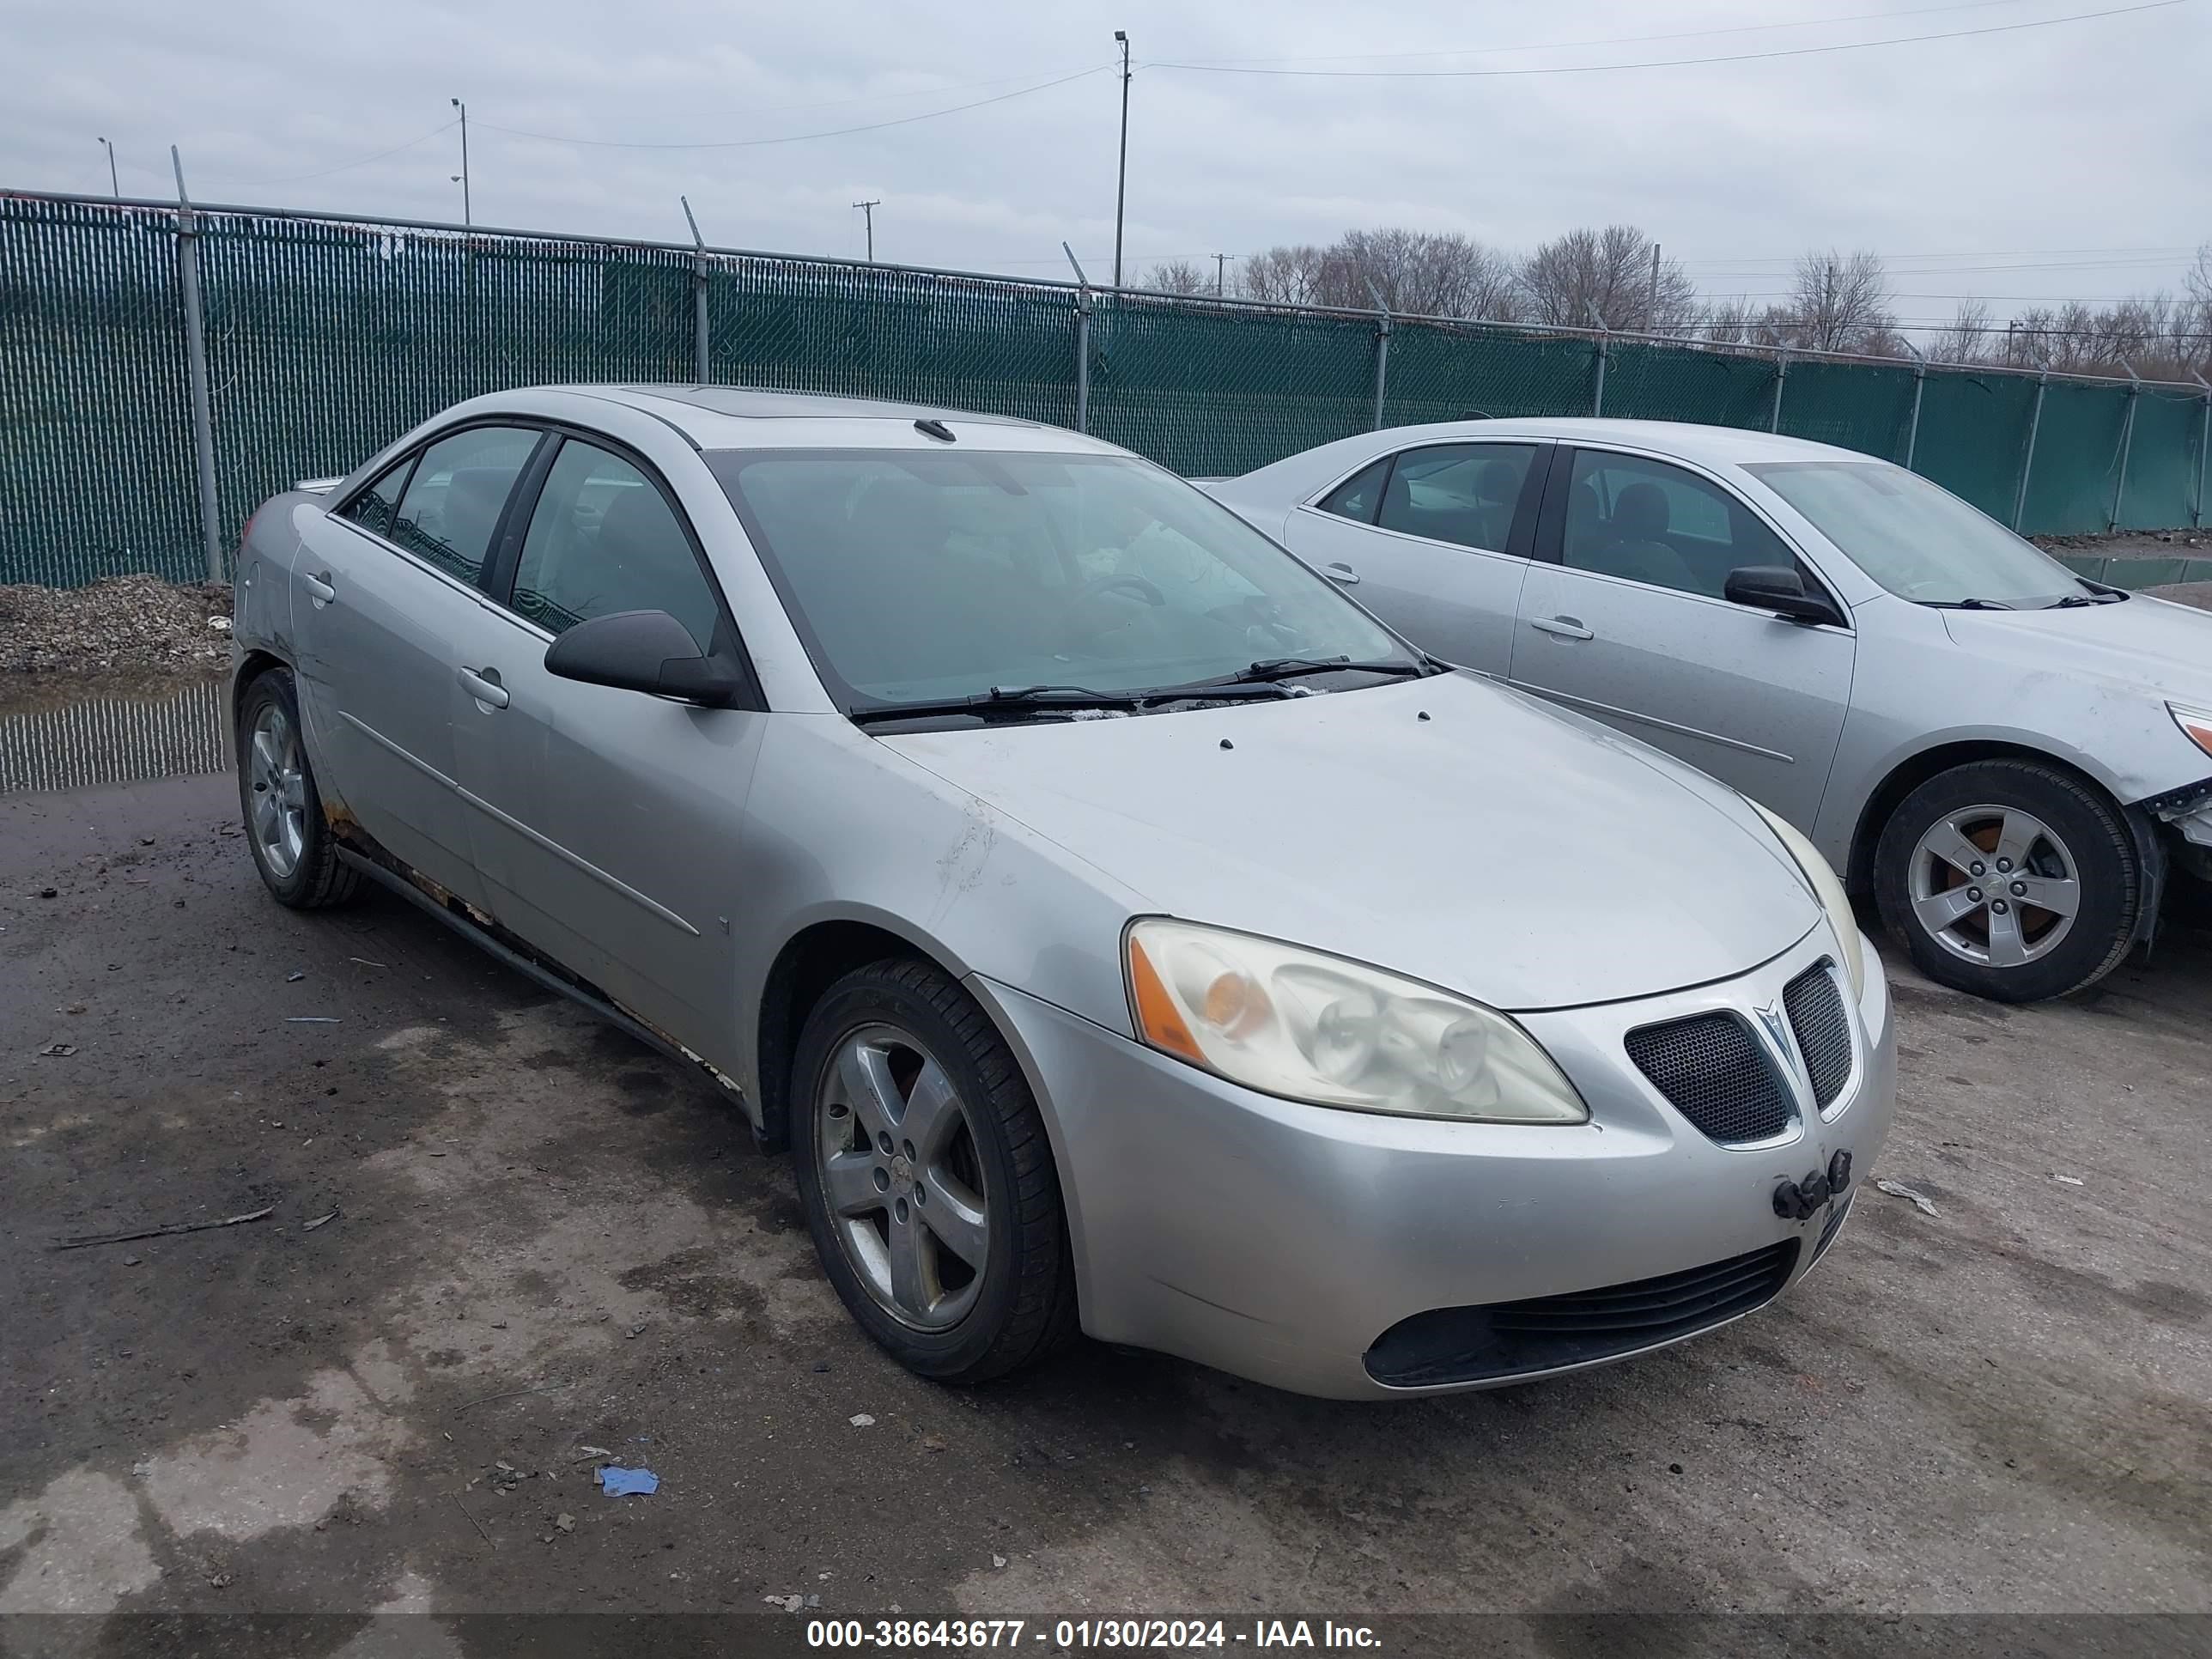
(1597, 397)
(188, 285)
(2027, 461)
(1780, 378)
(1919, 385)
(1082, 343)
(2127, 438)
(702, 350)
(1381, 349)
(2203, 447)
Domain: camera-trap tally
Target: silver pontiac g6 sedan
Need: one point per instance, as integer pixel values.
(2009, 757)
(1123, 928)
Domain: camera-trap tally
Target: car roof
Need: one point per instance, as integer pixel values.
(751, 417)
(1724, 446)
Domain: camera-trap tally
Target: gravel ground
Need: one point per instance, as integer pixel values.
(500, 1233)
(126, 624)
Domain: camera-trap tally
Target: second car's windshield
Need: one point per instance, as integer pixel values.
(920, 577)
(1917, 540)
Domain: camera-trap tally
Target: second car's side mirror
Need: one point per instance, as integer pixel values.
(1777, 588)
(646, 651)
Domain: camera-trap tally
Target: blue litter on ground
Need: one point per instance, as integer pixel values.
(622, 1483)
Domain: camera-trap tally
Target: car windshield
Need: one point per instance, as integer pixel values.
(929, 577)
(1916, 538)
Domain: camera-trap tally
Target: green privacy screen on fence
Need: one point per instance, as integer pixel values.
(327, 338)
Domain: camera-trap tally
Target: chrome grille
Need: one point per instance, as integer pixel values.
(1713, 1072)
(1823, 1029)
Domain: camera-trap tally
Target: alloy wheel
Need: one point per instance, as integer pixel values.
(900, 1176)
(278, 774)
(1994, 885)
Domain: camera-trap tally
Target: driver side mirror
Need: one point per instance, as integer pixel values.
(646, 651)
(1781, 590)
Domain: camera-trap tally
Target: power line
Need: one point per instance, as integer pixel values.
(344, 167)
(1610, 39)
(801, 137)
(1673, 63)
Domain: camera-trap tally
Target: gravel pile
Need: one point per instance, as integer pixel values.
(127, 624)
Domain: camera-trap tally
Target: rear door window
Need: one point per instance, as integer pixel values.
(1358, 495)
(454, 499)
(376, 509)
(1467, 494)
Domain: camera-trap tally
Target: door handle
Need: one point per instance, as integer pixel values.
(483, 685)
(1341, 572)
(318, 587)
(1567, 627)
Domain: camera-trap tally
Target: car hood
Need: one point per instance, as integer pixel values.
(2151, 644)
(1445, 829)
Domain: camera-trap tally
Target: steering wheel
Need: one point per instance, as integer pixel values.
(1146, 590)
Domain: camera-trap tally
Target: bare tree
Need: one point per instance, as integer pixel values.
(1842, 302)
(1177, 276)
(1422, 273)
(1285, 275)
(1727, 322)
(1607, 277)
(1967, 339)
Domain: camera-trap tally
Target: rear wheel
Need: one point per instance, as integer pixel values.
(292, 843)
(926, 1176)
(2010, 879)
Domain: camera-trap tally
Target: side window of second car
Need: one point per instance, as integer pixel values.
(458, 491)
(1462, 493)
(604, 539)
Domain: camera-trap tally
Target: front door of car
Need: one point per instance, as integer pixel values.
(386, 593)
(1623, 617)
(1434, 541)
(607, 822)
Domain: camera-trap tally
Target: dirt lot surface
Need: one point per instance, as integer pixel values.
(501, 1234)
(126, 625)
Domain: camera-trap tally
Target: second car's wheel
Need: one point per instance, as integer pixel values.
(2009, 879)
(292, 843)
(926, 1176)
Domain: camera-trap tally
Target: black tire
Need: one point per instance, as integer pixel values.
(2109, 870)
(1024, 1308)
(317, 880)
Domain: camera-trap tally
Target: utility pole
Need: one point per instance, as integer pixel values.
(1121, 178)
(868, 212)
(1651, 307)
(1220, 274)
(462, 177)
(113, 188)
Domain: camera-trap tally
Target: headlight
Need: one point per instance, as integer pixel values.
(1319, 1028)
(2195, 722)
(1829, 892)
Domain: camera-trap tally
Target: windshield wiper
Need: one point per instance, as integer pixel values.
(1032, 699)
(1965, 605)
(1010, 699)
(1273, 671)
(2093, 596)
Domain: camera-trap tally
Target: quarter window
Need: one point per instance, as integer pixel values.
(454, 501)
(376, 509)
(1358, 495)
(1461, 493)
(1647, 521)
(604, 539)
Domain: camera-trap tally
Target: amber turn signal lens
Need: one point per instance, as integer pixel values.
(1157, 1020)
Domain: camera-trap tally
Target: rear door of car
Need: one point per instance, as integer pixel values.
(1623, 617)
(1434, 539)
(607, 822)
(387, 590)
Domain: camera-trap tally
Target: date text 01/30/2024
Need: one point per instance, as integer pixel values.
(1072, 1634)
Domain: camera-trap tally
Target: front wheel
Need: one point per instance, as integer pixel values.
(927, 1179)
(2010, 879)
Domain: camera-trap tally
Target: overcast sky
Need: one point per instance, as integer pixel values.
(2012, 149)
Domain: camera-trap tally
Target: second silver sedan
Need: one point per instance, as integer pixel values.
(2009, 757)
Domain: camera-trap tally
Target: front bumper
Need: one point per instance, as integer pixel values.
(1279, 1241)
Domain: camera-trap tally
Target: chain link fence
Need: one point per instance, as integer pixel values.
(324, 339)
